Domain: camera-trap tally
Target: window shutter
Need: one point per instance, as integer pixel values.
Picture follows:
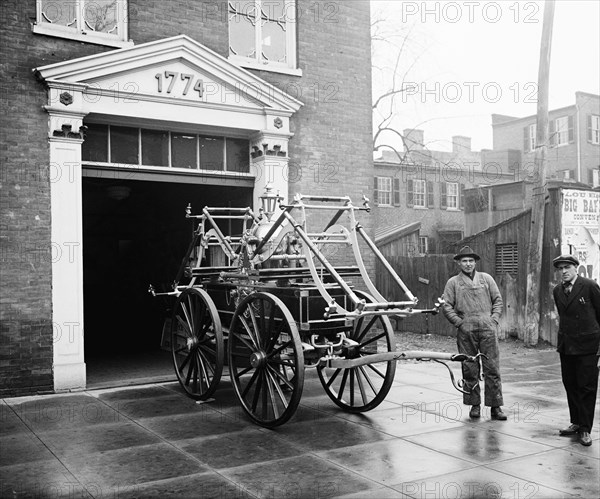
(410, 195)
(443, 195)
(552, 127)
(429, 193)
(526, 139)
(571, 134)
(375, 193)
(461, 196)
(589, 127)
(396, 191)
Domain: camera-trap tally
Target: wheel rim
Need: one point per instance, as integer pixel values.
(197, 343)
(266, 363)
(362, 388)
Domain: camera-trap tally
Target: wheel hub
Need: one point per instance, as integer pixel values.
(192, 342)
(258, 359)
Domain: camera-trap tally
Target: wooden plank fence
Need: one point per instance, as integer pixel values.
(426, 277)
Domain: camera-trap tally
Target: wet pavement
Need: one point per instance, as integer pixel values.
(153, 441)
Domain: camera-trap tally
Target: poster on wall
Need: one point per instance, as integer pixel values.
(580, 234)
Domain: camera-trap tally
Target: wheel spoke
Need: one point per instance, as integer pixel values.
(368, 379)
(253, 380)
(257, 390)
(361, 388)
(371, 340)
(277, 349)
(186, 326)
(335, 375)
(281, 376)
(190, 325)
(377, 371)
(343, 384)
(186, 360)
(362, 333)
(270, 382)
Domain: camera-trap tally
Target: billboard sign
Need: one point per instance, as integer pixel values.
(580, 233)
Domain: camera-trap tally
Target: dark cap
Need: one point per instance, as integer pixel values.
(570, 259)
(466, 252)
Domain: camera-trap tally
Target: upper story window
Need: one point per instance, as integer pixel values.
(128, 146)
(103, 22)
(593, 128)
(452, 195)
(419, 194)
(561, 131)
(387, 191)
(384, 190)
(262, 34)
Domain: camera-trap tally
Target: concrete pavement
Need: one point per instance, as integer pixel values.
(152, 441)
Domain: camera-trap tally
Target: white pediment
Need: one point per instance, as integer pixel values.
(178, 71)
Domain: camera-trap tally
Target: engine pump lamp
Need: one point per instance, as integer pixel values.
(269, 201)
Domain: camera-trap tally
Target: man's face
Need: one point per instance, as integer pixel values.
(567, 271)
(467, 264)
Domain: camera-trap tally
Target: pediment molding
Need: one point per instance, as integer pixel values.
(175, 70)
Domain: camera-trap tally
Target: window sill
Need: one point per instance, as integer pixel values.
(247, 64)
(45, 29)
(420, 208)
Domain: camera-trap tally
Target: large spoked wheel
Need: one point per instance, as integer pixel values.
(266, 362)
(362, 388)
(197, 343)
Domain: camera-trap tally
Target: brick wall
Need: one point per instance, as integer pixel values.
(25, 246)
(330, 151)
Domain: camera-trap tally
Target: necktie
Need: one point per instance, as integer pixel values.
(567, 287)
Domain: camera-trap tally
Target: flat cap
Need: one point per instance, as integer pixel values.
(570, 259)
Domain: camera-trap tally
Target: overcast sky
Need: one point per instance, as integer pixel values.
(470, 59)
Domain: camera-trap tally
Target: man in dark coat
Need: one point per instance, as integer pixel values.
(577, 300)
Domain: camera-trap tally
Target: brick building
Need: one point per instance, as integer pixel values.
(574, 140)
(427, 186)
(116, 115)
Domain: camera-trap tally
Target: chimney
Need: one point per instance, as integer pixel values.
(414, 139)
(461, 144)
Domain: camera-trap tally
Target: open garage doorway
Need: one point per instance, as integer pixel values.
(135, 234)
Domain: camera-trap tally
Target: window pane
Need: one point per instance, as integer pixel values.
(124, 145)
(242, 24)
(101, 15)
(62, 12)
(238, 155)
(155, 148)
(183, 151)
(95, 146)
(211, 153)
(273, 28)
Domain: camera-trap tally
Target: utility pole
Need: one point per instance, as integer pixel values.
(536, 233)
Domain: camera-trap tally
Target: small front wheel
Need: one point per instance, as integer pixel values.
(266, 362)
(197, 343)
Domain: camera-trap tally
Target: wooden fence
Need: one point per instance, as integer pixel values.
(426, 277)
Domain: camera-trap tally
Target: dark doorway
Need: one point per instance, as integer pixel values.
(135, 234)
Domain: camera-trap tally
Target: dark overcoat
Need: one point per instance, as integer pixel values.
(579, 311)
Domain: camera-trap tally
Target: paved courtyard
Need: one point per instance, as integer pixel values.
(153, 441)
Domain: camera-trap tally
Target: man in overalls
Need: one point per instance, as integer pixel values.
(473, 305)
